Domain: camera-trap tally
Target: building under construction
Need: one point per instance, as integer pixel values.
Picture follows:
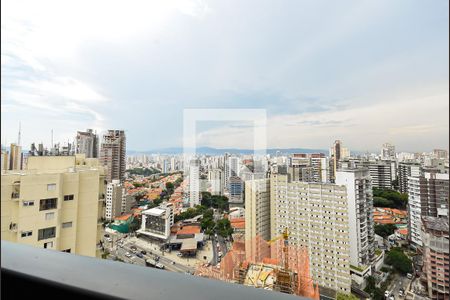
(274, 265)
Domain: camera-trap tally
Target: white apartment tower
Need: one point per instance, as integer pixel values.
(360, 214)
(216, 180)
(114, 200)
(388, 151)
(194, 182)
(316, 216)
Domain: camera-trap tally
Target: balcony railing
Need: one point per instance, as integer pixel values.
(58, 274)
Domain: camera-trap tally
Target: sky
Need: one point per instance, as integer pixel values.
(364, 72)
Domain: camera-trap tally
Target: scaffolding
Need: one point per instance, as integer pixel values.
(266, 264)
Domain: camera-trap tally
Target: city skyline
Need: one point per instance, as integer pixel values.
(367, 73)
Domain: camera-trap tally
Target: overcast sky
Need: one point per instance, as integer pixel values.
(365, 72)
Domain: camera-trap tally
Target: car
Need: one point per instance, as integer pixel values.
(144, 252)
(400, 293)
(139, 255)
(109, 239)
(218, 266)
(179, 254)
(160, 266)
(156, 258)
(173, 263)
(409, 276)
(220, 253)
(386, 293)
(128, 254)
(133, 248)
(106, 235)
(391, 297)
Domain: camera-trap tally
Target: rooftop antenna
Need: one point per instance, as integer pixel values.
(18, 138)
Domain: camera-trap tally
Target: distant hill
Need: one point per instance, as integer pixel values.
(216, 151)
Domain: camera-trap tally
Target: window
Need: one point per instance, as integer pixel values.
(28, 203)
(46, 204)
(49, 216)
(67, 225)
(67, 251)
(68, 197)
(46, 233)
(48, 245)
(51, 186)
(26, 233)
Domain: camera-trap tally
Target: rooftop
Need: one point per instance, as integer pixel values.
(438, 224)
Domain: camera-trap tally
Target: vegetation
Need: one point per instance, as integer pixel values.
(223, 227)
(341, 296)
(208, 223)
(215, 201)
(385, 230)
(190, 213)
(143, 171)
(397, 259)
(389, 198)
(375, 293)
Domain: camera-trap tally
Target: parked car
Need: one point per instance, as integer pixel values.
(144, 252)
(179, 254)
(409, 276)
(386, 294)
(139, 255)
(128, 254)
(160, 266)
(133, 247)
(106, 235)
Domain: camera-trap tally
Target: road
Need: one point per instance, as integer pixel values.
(120, 251)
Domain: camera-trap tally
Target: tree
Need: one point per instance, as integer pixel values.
(385, 230)
(341, 296)
(223, 227)
(169, 185)
(397, 199)
(397, 259)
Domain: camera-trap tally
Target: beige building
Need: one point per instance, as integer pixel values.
(316, 217)
(112, 154)
(257, 213)
(57, 203)
(15, 157)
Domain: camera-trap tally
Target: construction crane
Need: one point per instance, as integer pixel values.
(284, 236)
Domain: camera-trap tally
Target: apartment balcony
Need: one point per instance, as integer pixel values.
(55, 274)
(15, 195)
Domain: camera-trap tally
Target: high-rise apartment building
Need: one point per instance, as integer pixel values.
(112, 154)
(87, 143)
(257, 214)
(215, 178)
(337, 152)
(309, 167)
(4, 162)
(360, 214)
(235, 190)
(380, 171)
(57, 203)
(316, 216)
(15, 157)
(388, 151)
(194, 182)
(114, 199)
(428, 196)
(436, 264)
(405, 171)
(440, 154)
